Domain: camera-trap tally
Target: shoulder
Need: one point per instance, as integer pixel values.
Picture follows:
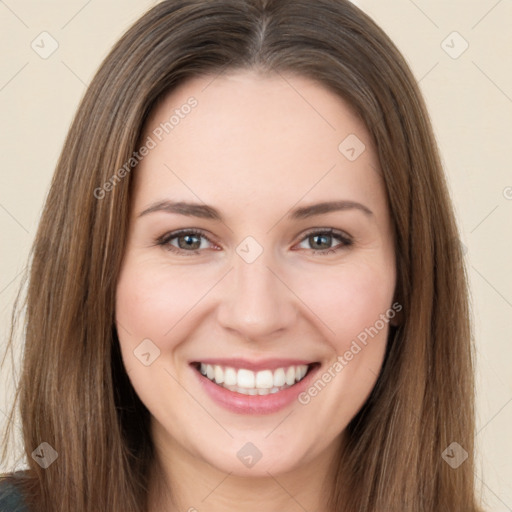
(11, 499)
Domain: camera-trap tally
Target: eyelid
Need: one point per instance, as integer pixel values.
(330, 231)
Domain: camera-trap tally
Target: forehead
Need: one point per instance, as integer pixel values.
(245, 135)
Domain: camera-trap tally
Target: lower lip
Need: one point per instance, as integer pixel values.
(255, 404)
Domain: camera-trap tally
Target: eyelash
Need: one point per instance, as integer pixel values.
(346, 240)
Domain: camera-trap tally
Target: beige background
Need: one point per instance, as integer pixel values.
(469, 95)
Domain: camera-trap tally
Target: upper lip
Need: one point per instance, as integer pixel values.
(263, 364)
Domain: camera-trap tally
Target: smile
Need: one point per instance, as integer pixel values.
(248, 382)
(246, 386)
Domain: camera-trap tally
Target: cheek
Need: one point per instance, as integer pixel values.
(151, 302)
(349, 300)
(356, 304)
(152, 299)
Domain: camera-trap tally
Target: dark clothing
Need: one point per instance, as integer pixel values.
(11, 499)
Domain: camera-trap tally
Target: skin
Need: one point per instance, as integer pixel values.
(253, 148)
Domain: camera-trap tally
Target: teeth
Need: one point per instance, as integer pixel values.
(279, 377)
(300, 371)
(219, 375)
(229, 377)
(248, 382)
(264, 380)
(245, 379)
(290, 376)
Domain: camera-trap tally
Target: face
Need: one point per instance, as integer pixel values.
(256, 292)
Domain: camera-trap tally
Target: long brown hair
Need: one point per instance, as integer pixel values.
(74, 393)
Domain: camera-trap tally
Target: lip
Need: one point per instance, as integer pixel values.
(255, 404)
(263, 364)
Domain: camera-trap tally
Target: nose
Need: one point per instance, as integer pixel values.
(257, 303)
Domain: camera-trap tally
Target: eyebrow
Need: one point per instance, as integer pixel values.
(205, 211)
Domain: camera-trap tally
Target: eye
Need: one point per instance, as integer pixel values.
(187, 241)
(191, 241)
(321, 240)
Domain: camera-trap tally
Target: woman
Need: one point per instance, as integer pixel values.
(191, 343)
